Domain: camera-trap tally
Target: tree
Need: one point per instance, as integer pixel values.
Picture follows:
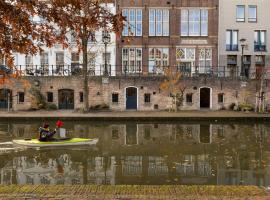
(83, 18)
(19, 32)
(172, 84)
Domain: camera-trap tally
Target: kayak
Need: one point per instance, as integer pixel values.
(55, 143)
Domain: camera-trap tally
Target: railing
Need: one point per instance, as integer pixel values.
(186, 71)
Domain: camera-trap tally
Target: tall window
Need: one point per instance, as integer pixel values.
(59, 61)
(158, 59)
(44, 62)
(205, 60)
(159, 22)
(252, 13)
(260, 40)
(132, 60)
(185, 60)
(75, 60)
(44, 58)
(28, 64)
(240, 13)
(133, 25)
(194, 22)
(232, 40)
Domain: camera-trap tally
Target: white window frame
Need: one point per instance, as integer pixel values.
(132, 64)
(252, 19)
(133, 25)
(203, 59)
(159, 22)
(187, 22)
(164, 62)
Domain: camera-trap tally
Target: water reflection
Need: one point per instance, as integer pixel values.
(149, 153)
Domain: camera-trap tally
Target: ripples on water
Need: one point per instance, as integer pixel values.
(142, 153)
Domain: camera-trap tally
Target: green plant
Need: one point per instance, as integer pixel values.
(246, 107)
(51, 106)
(38, 99)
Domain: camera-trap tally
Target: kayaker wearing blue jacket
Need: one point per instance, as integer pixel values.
(45, 134)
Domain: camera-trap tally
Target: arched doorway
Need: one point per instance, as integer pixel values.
(205, 97)
(5, 98)
(131, 98)
(66, 99)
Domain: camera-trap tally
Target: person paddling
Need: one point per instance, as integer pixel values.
(45, 134)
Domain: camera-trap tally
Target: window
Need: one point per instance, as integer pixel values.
(44, 58)
(132, 60)
(49, 97)
(205, 60)
(29, 61)
(59, 61)
(20, 97)
(232, 40)
(260, 40)
(189, 97)
(133, 25)
(240, 13)
(194, 22)
(158, 22)
(59, 58)
(147, 98)
(44, 62)
(29, 64)
(158, 59)
(221, 98)
(185, 60)
(75, 59)
(252, 13)
(115, 97)
(81, 97)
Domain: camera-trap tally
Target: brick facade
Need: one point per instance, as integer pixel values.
(174, 39)
(101, 92)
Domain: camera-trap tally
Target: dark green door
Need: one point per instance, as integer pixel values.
(5, 98)
(66, 99)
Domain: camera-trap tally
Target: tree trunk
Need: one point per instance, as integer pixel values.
(85, 77)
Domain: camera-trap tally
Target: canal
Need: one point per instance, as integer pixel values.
(156, 153)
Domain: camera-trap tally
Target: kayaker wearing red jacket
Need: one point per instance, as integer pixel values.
(45, 134)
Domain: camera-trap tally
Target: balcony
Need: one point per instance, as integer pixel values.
(98, 71)
(232, 47)
(259, 47)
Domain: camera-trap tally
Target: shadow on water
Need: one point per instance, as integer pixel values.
(142, 153)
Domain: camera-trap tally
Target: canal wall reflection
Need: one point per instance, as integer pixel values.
(150, 153)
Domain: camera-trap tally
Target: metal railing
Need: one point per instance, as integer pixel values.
(186, 71)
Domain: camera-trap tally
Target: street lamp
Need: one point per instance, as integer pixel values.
(106, 39)
(242, 42)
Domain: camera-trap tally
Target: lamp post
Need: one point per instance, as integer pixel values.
(106, 39)
(242, 42)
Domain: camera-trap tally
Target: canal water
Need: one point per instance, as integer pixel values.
(216, 153)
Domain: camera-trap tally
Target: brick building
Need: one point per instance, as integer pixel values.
(181, 34)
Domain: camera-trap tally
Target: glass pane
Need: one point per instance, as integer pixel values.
(235, 37)
(204, 22)
(240, 13)
(252, 13)
(228, 38)
(263, 33)
(184, 23)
